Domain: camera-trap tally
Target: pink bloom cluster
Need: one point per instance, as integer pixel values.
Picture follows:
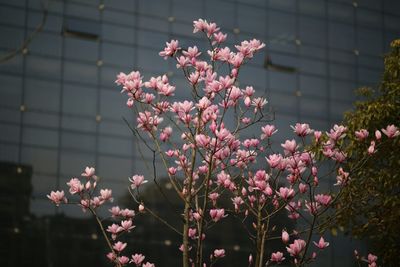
(213, 159)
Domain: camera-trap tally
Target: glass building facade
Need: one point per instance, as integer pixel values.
(61, 111)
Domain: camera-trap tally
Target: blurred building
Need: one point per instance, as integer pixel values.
(61, 111)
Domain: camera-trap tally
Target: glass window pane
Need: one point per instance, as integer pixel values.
(78, 141)
(370, 41)
(43, 67)
(247, 16)
(342, 71)
(342, 90)
(340, 12)
(282, 25)
(83, 73)
(42, 160)
(9, 133)
(118, 54)
(312, 7)
(12, 37)
(11, 91)
(341, 35)
(41, 119)
(40, 137)
(81, 49)
(117, 33)
(313, 31)
(12, 16)
(214, 9)
(79, 100)
(313, 86)
(42, 95)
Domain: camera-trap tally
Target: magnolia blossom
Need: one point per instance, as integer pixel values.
(57, 197)
(170, 49)
(301, 129)
(296, 248)
(268, 131)
(285, 237)
(219, 253)
(217, 214)
(361, 134)
(321, 243)
(137, 180)
(289, 146)
(286, 193)
(89, 172)
(277, 257)
(137, 259)
(119, 246)
(75, 186)
(323, 199)
(391, 131)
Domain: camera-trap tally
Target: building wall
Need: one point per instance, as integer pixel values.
(61, 111)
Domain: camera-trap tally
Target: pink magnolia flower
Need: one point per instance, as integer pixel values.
(202, 140)
(323, 199)
(137, 180)
(317, 135)
(199, 25)
(106, 194)
(277, 257)
(192, 52)
(371, 148)
(119, 246)
(285, 237)
(137, 259)
(114, 229)
(258, 103)
(286, 193)
(141, 208)
(361, 134)
(75, 186)
(337, 132)
(115, 211)
(111, 256)
(219, 37)
(378, 135)
(372, 260)
(127, 213)
(170, 49)
(391, 131)
(274, 160)
(165, 134)
(123, 260)
(89, 172)
(296, 248)
(192, 233)
(301, 129)
(127, 225)
(237, 201)
(268, 131)
(321, 243)
(302, 188)
(148, 264)
(217, 214)
(57, 197)
(219, 253)
(289, 147)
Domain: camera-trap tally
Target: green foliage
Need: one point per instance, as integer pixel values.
(370, 206)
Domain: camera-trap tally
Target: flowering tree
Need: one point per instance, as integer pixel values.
(213, 158)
